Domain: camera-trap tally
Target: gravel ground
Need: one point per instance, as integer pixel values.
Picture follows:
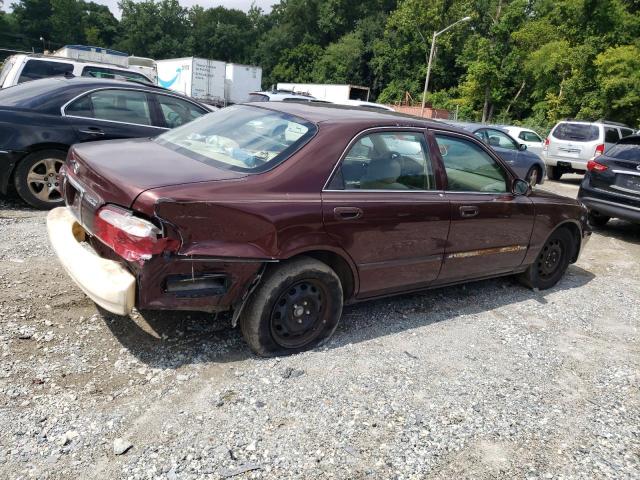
(487, 380)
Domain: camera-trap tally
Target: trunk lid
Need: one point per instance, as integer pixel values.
(119, 171)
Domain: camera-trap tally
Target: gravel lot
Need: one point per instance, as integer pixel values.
(487, 380)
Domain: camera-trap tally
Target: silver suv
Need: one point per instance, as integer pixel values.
(571, 144)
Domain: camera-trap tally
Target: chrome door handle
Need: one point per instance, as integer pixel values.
(93, 131)
(469, 211)
(347, 213)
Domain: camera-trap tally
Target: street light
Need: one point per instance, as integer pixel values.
(433, 45)
(43, 47)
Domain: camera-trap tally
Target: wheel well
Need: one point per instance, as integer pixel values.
(575, 233)
(340, 266)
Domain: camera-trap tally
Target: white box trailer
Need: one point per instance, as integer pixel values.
(331, 93)
(198, 78)
(241, 80)
(93, 54)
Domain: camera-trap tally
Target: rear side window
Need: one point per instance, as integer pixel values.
(611, 135)
(111, 73)
(386, 161)
(469, 168)
(6, 68)
(36, 69)
(624, 131)
(578, 132)
(529, 137)
(128, 106)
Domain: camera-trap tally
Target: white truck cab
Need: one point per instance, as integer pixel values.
(22, 68)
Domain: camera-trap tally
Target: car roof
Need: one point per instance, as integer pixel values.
(47, 95)
(474, 127)
(334, 113)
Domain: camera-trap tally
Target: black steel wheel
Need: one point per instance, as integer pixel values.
(552, 261)
(296, 306)
(299, 313)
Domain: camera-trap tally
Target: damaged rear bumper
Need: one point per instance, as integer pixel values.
(107, 282)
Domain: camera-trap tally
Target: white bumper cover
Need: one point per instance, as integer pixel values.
(106, 282)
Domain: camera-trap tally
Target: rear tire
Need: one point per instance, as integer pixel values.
(554, 173)
(533, 175)
(552, 261)
(37, 179)
(597, 219)
(296, 307)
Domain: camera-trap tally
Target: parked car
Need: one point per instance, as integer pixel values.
(39, 120)
(571, 144)
(279, 96)
(25, 68)
(530, 138)
(284, 229)
(526, 164)
(611, 186)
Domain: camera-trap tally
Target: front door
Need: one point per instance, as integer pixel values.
(490, 226)
(384, 207)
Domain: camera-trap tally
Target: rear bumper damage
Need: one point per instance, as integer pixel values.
(107, 282)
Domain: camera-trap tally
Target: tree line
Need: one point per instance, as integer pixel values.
(527, 61)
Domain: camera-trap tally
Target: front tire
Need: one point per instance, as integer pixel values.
(552, 261)
(296, 307)
(533, 175)
(37, 179)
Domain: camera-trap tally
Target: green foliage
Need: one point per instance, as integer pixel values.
(524, 61)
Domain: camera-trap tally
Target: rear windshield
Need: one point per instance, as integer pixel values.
(625, 151)
(101, 72)
(578, 132)
(36, 69)
(256, 97)
(240, 138)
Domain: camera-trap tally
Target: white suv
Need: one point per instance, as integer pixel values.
(22, 68)
(571, 144)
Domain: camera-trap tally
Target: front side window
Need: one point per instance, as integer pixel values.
(469, 168)
(111, 73)
(128, 106)
(496, 138)
(36, 69)
(177, 112)
(386, 161)
(611, 135)
(241, 138)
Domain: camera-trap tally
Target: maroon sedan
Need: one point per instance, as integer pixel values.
(283, 213)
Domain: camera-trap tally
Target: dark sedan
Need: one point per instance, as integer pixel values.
(40, 120)
(526, 164)
(611, 186)
(282, 212)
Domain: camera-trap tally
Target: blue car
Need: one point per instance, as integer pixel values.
(526, 164)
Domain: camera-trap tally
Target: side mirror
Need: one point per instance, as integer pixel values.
(522, 147)
(521, 187)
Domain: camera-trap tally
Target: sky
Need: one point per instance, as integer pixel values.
(239, 4)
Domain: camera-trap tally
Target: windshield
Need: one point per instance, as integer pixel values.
(240, 138)
(580, 132)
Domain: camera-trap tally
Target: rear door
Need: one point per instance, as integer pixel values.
(490, 226)
(385, 207)
(113, 113)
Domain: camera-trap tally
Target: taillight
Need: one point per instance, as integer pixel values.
(546, 144)
(599, 150)
(131, 237)
(592, 166)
